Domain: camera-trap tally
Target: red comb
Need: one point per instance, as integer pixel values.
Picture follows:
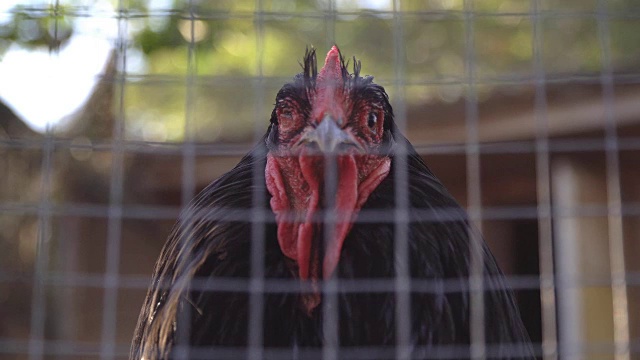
(329, 81)
(331, 72)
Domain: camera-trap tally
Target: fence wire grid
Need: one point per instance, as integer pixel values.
(527, 111)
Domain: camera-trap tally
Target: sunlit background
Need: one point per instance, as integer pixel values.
(114, 113)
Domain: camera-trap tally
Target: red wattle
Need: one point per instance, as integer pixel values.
(282, 208)
(345, 201)
(295, 201)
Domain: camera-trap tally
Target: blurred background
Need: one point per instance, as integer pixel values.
(113, 114)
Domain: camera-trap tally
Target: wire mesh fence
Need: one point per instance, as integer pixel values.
(527, 111)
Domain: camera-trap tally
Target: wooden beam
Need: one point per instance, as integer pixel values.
(564, 117)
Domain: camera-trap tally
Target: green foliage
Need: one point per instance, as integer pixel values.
(151, 41)
(49, 27)
(230, 42)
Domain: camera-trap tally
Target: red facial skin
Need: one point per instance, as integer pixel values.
(295, 174)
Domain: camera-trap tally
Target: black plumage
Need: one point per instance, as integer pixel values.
(199, 294)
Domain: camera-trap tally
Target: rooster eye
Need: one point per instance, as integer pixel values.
(372, 120)
(286, 118)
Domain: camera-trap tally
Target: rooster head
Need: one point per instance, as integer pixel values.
(327, 140)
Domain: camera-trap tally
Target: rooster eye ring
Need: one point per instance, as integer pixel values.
(372, 120)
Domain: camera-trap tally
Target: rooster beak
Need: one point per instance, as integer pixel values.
(328, 136)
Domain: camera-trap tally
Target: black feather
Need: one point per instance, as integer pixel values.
(199, 295)
(310, 70)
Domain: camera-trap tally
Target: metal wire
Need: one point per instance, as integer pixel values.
(556, 283)
(188, 189)
(474, 192)
(79, 349)
(403, 284)
(330, 315)
(87, 11)
(42, 261)
(114, 230)
(614, 196)
(543, 180)
(256, 298)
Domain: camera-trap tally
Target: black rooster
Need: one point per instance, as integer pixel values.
(339, 124)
